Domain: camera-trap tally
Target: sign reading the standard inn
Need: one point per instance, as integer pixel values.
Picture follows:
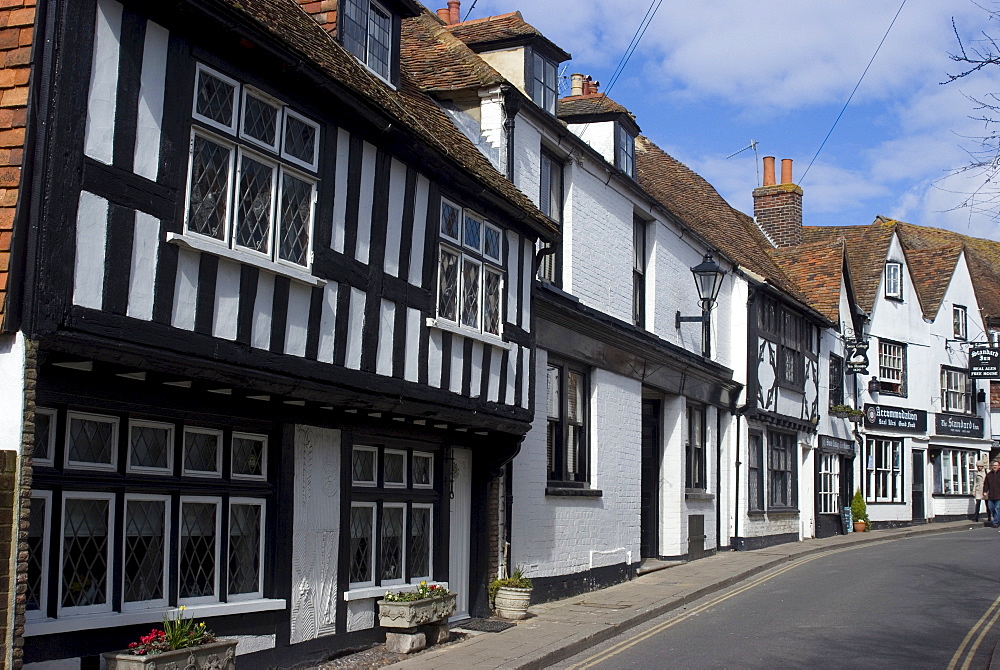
(960, 426)
(895, 418)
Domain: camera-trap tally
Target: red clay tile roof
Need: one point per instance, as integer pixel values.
(867, 247)
(438, 61)
(588, 105)
(510, 27)
(994, 394)
(817, 269)
(931, 270)
(288, 23)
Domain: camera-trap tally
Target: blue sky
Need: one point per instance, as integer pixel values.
(709, 76)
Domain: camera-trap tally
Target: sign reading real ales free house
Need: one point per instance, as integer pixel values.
(895, 418)
(984, 363)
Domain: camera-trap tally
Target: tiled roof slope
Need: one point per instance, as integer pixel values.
(816, 269)
(866, 250)
(585, 105)
(289, 24)
(500, 28)
(438, 61)
(931, 270)
(994, 394)
(697, 204)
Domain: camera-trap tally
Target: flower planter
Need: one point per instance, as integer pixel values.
(219, 655)
(860, 526)
(512, 602)
(393, 614)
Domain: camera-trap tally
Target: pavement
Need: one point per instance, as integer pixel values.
(558, 630)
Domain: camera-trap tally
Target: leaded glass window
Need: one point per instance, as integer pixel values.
(391, 540)
(472, 235)
(492, 282)
(301, 139)
(145, 547)
(249, 456)
(295, 218)
(394, 472)
(198, 549)
(45, 435)
(91, 442)
(202, 452)
(421, 533)
(493, 243)
(470, 293)
(208, 209)
(260, 119)
(362, 566)
(367, 33)
(423, 470)
(245, 531)
(379, 40)
(363, 465)
(38, 550)
(448, 285)
(449, 221)
(151, 446)
(255, 205)
(215, 98)
(86, 548)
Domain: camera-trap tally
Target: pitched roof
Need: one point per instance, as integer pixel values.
(931, 270)
(593, 104)
(867, 247)
(438, 61)
(287, 22)
(817, 269)
(480, 34)
(697, 204)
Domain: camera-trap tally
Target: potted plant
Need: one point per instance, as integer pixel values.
(510, 596)
(180, 642)
(859, 512)
(407, 609)
(846, 412)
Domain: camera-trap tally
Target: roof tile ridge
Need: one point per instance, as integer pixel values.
(485, 19)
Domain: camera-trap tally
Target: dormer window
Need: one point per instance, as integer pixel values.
(371, 33)
(625, 150)
(894, 280)
(544, 85)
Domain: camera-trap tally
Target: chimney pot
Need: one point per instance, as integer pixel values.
(576, 87)
(786, 171)
(769, 171)
(445, 15)
(455, 11)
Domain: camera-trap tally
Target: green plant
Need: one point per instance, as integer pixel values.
(179, 632)
(517, 580)
(846, 410)
(859, 509)
(424, 590)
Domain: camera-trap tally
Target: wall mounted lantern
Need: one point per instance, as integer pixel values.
(708, 277)
(874, 385)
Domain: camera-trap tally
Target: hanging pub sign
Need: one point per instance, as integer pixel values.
(895, 418)
(959, 426)
(857, 356)
(984, 363)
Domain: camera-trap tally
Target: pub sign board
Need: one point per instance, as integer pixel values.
(895, 418)
(984, 363)
(857, 357)
(959, 426)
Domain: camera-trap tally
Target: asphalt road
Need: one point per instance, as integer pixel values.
(926, 602)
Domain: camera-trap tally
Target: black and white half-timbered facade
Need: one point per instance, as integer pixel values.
(282, 315)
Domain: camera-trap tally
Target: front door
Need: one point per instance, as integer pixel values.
(460, 507)
(918, 486)
(649, 500)
(828, 494)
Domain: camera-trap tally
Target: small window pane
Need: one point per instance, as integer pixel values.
(493, 243)
(197, 549)
(363, 466)
(300, 139)
(36, 554)
(392, 542)
(214, 99)
(448, 286)
(201, 452)
(470, 293)
(491, 302)
(420, 542)
(44, 430)
(355, 32)
(255, 209)
(260, 120)
(449, 221)
(473, 232)
(91, 441)
(296, 210)
(249, 455)
(244, 548)
(361, 544)
(144, 545)
(149, 446)
(209, 188)
(395, 468)
(379, 40)
(423, 470)
(85, 552)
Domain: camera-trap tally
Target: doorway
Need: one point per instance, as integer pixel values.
(649, 498)
(460, 512)
(918, 486)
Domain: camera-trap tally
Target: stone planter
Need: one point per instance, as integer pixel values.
(512, 603)
(220, 655)
(415, 613)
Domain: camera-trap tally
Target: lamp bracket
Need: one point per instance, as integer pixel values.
(690, 319)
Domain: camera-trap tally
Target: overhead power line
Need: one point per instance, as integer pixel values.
(633, 44)
(844, 108)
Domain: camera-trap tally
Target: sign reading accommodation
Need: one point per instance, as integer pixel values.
(984, 363)
(960, 426)
(895, 418)
(857, 356)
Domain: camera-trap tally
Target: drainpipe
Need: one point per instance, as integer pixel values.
(740, 411)
(718, 479)
(511, 106)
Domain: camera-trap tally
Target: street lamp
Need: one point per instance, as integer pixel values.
(708, 280)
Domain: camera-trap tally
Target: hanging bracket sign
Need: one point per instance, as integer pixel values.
(984, 363)
(857, 356)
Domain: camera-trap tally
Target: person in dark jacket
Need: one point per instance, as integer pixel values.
(991, 491)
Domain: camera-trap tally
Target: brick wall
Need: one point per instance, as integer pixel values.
(778, 210)
(324, 11)
(17, 19)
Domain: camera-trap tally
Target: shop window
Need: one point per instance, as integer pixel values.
(829, 484)
(884, 470)
(956, 472)
(781, 467)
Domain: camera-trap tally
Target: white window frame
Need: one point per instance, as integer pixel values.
(273, 102)
(393, 46)
(233, 222)
(888, 352)
(403, 544)
(142, 423)
(374, 451)
(263, 456)
(829, 487)
(201, 67)
(625, 150)
(894, 280)
(489, 226)
(487, 269)
(43, 582)
(375, 542)
(259, 593)
(51, 446)
(227, 225)
(469, 214)
(950, 387)
(406, 469)
(957, 464)
(108, 603)
(539, 66)
(217, 473)
(164, 601)
(430, 544)
(283, 130)
(279, 225)
(85, 465)
(893, 474)
(463, 259)
(217, 501)
(960, 322)
(430, 470)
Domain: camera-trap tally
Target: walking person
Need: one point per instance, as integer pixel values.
(991, 491)
(977, 490)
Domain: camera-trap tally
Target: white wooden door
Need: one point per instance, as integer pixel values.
(461, 518)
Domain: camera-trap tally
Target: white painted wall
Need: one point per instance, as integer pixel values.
(11, 391)
(599, 135)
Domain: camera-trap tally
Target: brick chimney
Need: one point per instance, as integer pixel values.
(778, 207)
(324, 11)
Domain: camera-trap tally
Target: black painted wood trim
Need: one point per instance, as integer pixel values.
(118, 258)
(431, 236)
(353, 195)
(446, 344)
(279, 313)
(315, 316)
(484, 384)
(248, 298)
(131, 190)
(343, 322)
(133, 35)
(208, 270)
(399, 342)
(467, 366)
(406, 229)
(166, 277)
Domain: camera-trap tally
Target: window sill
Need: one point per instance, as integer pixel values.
(469, 333)
(698, 494)
(783, 511)
(569, 492)
(953, 495)
(79, 622)
(191, 242)
(369, 592)
(757, 513)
